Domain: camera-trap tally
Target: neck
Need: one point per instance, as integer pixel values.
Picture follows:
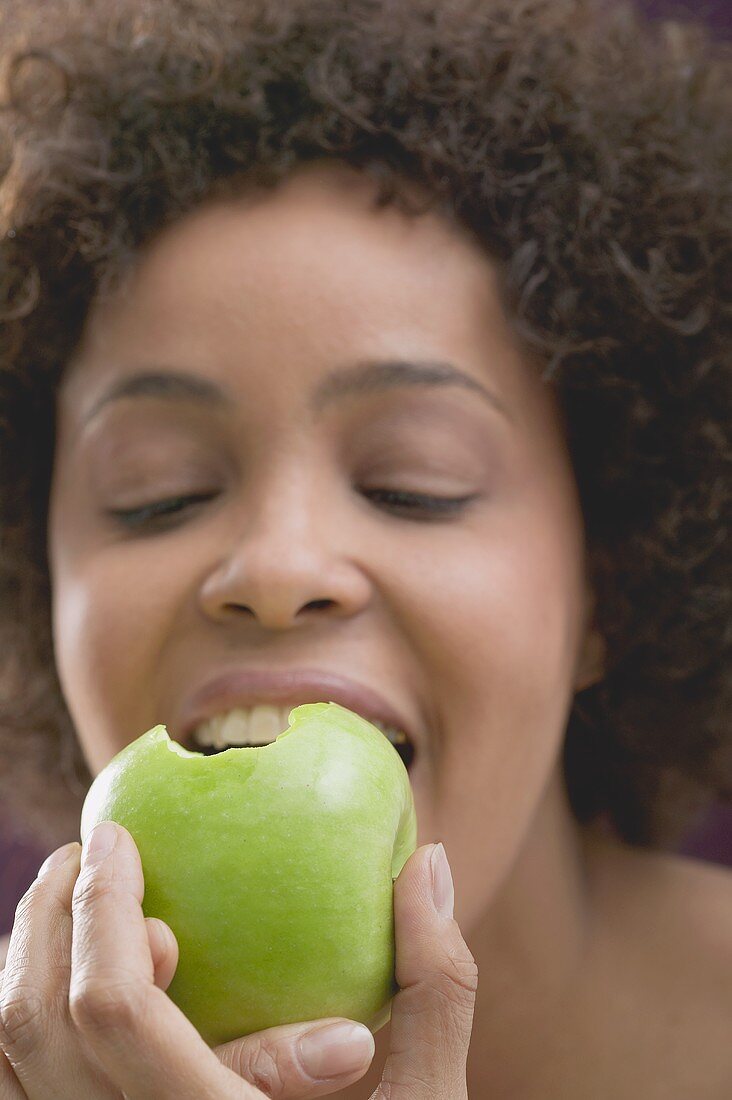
(531, 948)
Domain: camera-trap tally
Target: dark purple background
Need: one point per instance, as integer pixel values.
(711, 837)
(718, 13)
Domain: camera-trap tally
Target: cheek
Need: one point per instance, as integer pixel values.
(109, 615)
(509, 611)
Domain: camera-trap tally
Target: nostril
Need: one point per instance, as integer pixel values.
(315, 605)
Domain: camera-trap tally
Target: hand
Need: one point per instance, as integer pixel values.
(83, 1009)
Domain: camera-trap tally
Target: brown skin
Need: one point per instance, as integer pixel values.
(265, 298)
(477, 626)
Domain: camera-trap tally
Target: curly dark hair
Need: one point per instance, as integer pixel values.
(588, 152)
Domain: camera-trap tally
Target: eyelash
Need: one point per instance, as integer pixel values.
(433, 507)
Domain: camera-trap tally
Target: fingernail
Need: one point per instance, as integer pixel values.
(58, 858)
(335, 1049)
(443, 891)
(100, 842)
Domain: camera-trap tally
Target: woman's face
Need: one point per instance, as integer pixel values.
(470, 620)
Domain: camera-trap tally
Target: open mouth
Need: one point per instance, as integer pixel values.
(250, 727)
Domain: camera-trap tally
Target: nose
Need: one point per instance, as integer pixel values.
(284, 562)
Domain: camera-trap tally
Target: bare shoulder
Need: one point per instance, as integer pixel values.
(4, 944)
(676, 914)
(698, 904)
(663, 935)
(702, 895)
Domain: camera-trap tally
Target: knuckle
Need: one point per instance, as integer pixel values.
(35, 895)
(271, 1068)
(101, 1006)
(462, 971)
(261, 1065)
(456, 985)
(23, 1020)
(90, 888)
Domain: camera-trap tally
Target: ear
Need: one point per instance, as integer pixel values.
(592, 653)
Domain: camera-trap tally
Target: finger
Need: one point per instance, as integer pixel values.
(432, 1014)
(9, 1086)
(37, 1036)
(163, 951)
(299, 1061)
(143, 1041)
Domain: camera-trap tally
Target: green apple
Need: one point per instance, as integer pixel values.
(274, 866)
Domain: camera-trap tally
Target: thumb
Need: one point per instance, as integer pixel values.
(298, 1061)
(432, 1014)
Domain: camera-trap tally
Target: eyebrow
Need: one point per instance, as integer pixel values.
(364, 378)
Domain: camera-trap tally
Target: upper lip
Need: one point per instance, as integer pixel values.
(239, 687)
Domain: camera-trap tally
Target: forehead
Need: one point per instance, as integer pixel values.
(305, 275)
(317, 230)
(331, 198)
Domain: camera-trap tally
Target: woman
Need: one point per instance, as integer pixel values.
(378, 346)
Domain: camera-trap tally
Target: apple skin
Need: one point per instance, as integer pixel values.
(274, 866)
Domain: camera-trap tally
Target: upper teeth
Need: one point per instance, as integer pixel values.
(259, 725)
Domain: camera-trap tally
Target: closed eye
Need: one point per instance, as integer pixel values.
(158, 509)
(431, 507)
